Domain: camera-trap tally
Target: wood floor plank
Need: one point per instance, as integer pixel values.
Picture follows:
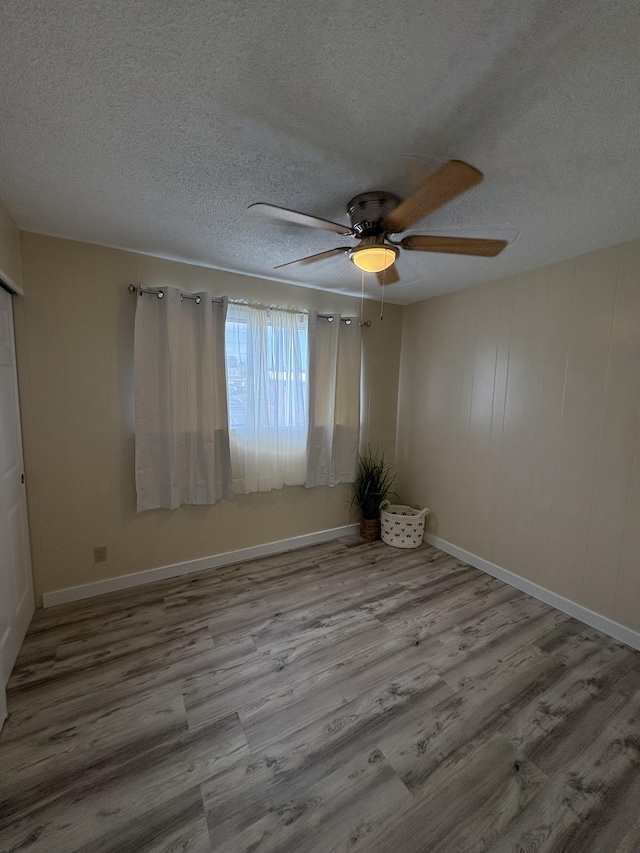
(467, 805)
(381, 667)
(467, 717)
(34, 767)
(175, 826)
(572, 642)
(335, 813)
(458, 661)
(109, 795)
(580, 798)
(563, 719)
(267, 683)
(277, 771)
(631, 841)
(112, 686)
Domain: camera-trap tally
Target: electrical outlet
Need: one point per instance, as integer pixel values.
(100, 554)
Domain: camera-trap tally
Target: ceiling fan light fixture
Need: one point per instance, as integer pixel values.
(378, 214)
(374, 258)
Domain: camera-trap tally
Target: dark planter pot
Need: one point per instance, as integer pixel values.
(370, 529)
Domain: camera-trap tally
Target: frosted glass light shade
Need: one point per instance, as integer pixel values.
(373, 258)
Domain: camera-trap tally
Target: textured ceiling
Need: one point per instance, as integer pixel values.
(151, 125)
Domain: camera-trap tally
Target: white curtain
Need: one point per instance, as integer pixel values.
(268, 397)
(334, 407)
(181, 426)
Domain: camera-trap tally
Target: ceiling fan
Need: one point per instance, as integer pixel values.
(375, 216)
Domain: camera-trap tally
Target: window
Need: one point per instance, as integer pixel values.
(268, 398)
(234, 399)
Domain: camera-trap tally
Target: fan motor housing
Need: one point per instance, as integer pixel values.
(368, 210)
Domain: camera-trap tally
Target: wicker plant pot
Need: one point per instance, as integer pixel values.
(370, 529)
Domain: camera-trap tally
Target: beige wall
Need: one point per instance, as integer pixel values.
(10, 261)
(74, 335)
(519, 414)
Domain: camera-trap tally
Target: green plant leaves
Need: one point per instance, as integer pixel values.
(373, 483)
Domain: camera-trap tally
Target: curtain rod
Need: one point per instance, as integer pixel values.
(138, 288)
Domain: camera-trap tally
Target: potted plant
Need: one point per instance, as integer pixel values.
(371, 487)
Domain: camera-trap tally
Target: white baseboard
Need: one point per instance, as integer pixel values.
(589, 617)
(571, 608)
(88, 590)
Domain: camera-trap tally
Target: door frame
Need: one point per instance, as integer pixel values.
(8, 284)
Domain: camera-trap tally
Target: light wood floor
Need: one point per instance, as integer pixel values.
(343, 697)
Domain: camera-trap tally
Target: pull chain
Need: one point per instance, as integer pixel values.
(382, 302)
(362, 299)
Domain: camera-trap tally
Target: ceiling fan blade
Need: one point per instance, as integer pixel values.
(388, 276)
(454, 245)
(447, 182)
(296, 218)
(310, 259)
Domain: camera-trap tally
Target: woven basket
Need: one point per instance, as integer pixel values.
(402, 526)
